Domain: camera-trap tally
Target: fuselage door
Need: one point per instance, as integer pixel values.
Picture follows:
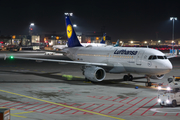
(139, 57)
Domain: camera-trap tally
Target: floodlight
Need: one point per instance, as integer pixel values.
(74, 25)
(32, 24)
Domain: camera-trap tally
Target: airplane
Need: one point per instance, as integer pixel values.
(117, 43)
(102, 43)
(97, 61)
(59, 47)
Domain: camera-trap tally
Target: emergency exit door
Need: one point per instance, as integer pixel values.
(139, 57)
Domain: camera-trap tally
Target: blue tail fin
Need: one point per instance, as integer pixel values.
(117, 43)
(103, 39)
(71, 35)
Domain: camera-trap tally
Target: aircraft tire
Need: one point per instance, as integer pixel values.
(149, 84)
(126, 78)
(130, 78)
(146, 84)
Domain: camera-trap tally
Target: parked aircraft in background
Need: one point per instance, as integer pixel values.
(102, 43)
(117, 43)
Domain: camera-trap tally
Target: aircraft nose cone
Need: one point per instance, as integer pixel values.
(169, 65)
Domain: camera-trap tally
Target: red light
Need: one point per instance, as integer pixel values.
(31, 29)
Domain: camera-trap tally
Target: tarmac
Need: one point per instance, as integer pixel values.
(52, 91)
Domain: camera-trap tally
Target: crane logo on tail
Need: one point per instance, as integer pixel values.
(104, 38)
(69, 31)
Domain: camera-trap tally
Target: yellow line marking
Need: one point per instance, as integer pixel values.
(87, 81)
(35, 70)
(63, 105)
(18, 116)
(23, 112)
(43, 71)
(22, 68)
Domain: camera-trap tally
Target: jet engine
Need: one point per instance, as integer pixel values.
(94, 73)
(157, 76)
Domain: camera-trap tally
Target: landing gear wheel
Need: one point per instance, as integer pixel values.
(174, 103)
(126, 78)
(148, 84)
(130, 78)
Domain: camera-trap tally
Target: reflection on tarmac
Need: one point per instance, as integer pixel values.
(166, 110)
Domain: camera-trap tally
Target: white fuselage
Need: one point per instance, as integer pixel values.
(93, 44)
(123, 59)
(59, 47)
(83, 44)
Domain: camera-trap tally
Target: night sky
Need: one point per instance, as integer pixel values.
(123, 19)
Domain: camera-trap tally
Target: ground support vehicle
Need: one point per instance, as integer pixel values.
(169, 96)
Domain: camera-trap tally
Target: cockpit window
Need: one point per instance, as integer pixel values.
(150, 57)
(153, 57)
(160, 57)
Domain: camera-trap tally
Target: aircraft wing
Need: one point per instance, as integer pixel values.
(59, 61)
(171, 56)
(53, 51)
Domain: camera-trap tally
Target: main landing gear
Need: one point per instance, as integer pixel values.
(128, 77)
(148, 83)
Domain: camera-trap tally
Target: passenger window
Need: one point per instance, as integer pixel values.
(160, 57)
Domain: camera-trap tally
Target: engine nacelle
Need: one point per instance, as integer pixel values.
(94, 73)
(157, 76)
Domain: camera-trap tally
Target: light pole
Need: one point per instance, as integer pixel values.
(159, 41)
(68, 14)
(30, 28)
(173, 18)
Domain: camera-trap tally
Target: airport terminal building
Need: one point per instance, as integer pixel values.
(52, 39)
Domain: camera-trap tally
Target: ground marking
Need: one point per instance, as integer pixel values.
(23, 112)
(63, 105)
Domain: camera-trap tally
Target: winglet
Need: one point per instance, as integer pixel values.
(5, 57)
(71, 35)
(103, 39)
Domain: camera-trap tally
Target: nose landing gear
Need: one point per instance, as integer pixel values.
(148, 83)
(128, 77)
